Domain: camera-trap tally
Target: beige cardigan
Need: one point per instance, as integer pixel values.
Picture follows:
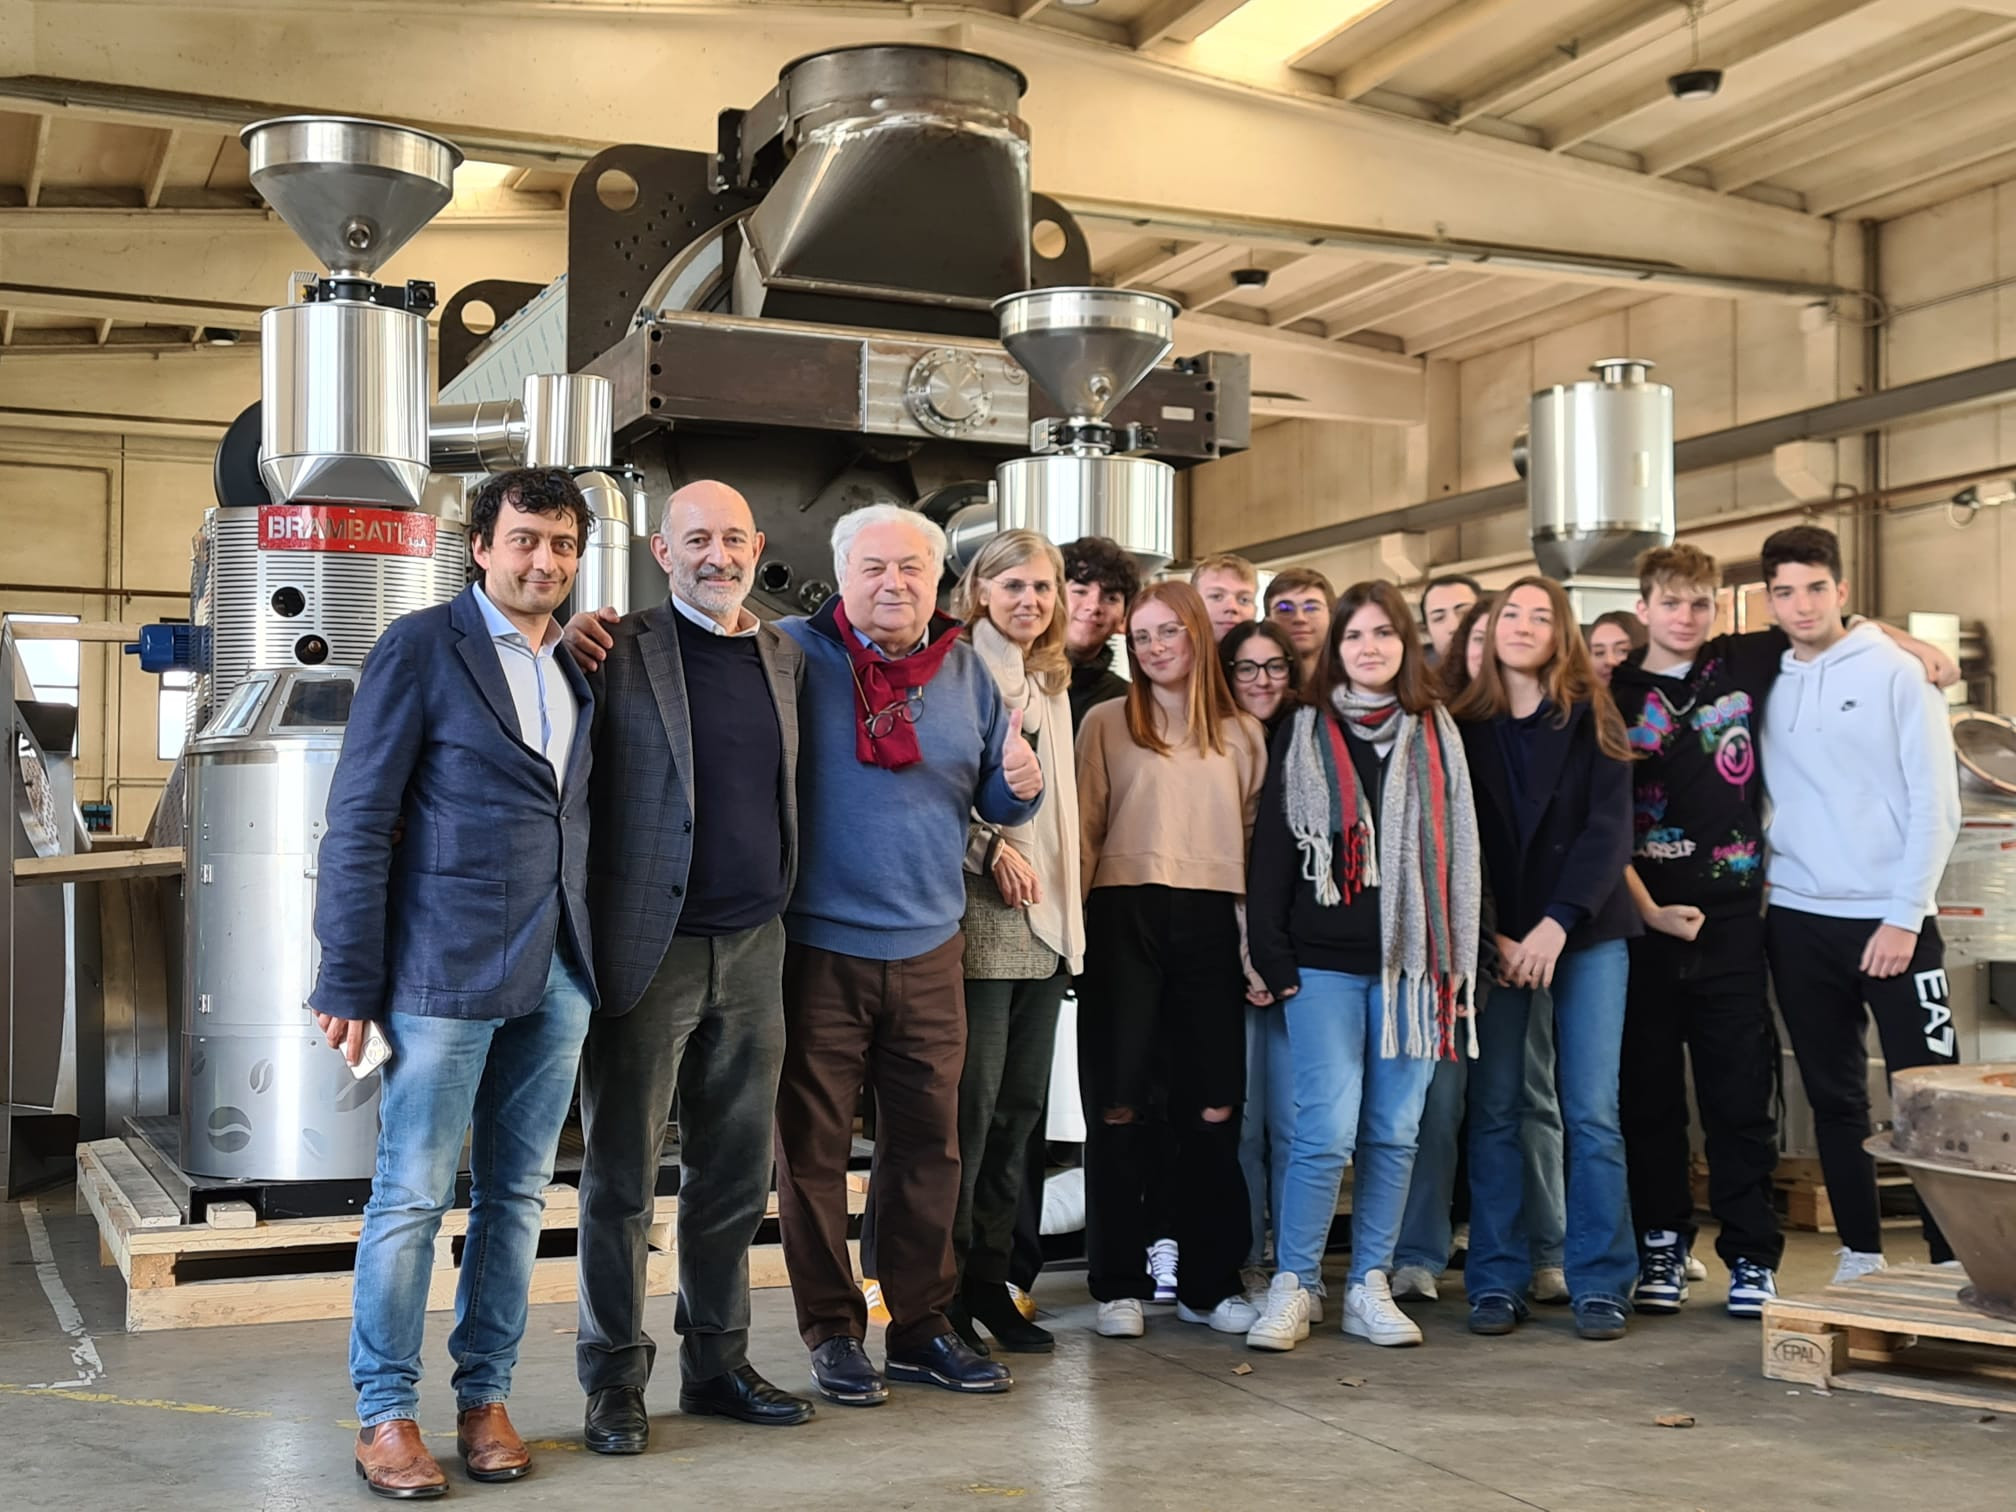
(1180, 820)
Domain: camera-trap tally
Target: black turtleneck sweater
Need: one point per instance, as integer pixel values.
(1093, 682)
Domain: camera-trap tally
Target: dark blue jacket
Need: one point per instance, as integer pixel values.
(458, 918)
(1563, 852)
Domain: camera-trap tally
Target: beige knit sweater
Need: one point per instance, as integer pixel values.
(1180, 820)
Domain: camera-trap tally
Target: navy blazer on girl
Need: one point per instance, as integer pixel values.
(1557, 842)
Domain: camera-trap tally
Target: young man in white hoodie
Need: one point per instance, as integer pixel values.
(1865, 805)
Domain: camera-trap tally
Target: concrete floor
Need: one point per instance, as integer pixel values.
(257, 1417)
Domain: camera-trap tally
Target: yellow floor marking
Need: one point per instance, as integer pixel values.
(108, 1399)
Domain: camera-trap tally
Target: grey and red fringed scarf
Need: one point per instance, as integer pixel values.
(1420, 851)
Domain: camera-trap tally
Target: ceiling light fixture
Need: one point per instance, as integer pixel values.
(1695, 82)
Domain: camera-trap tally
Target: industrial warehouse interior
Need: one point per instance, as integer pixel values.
(647, 844)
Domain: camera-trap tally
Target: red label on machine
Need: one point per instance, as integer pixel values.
(347, 528)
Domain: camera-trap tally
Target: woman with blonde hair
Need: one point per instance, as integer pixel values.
(1168, 779)
(1551, 769)
(1024, 927)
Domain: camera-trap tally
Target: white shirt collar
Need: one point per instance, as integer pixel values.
(502, 629)
(708, 623)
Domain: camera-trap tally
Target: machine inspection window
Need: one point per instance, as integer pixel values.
(52, 665)
(172, 727)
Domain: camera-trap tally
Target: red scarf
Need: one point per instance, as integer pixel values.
(880, 683)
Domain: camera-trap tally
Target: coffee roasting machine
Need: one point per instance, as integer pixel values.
(855, 299)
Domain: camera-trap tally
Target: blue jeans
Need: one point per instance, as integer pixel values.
(1425, 1228)
(1601, 1257)
(1334, 1095)
(1255, 1136)
(1540, 1142)
(512, 1079)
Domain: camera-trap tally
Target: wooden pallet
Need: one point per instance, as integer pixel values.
(1901, 1332)
(235, 1268)
(1799, 1192)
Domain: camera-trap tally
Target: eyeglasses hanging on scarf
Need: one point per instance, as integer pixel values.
(879, 722)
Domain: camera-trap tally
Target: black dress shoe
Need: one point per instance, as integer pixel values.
(962, 1324)
(991, 1306)
(744, 1395)
(841, 1371)
(944, 1361)
(617, 1422)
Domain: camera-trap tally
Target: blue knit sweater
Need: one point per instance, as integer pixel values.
(882, 853)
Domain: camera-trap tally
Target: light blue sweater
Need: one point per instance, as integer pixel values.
(882, 853)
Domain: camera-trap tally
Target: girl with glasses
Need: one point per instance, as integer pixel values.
(1266, 678)
(1365, 906)
(1167, 782)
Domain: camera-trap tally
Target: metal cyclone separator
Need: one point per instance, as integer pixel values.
(1954, 1129)
(1087, 349)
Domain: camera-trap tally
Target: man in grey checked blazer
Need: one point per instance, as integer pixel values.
(693, 851)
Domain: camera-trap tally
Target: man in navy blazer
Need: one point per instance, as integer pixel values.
(452, 913)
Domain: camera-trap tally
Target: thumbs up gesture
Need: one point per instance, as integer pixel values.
(1018, 761)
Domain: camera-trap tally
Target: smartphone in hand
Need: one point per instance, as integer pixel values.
(377, 1051)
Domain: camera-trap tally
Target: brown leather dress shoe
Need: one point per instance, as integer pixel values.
(393, 1462)
(491, 1448)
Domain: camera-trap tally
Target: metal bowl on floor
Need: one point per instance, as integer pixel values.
(1955, 1132)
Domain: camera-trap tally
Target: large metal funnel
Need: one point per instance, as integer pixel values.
(887, 134)
(1954, 1129)
(1087, 348)
(354, 191)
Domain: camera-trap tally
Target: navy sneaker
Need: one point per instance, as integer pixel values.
(1662, 1274)
(1493, 1315)
(1599, 1318)
(1750, 1286)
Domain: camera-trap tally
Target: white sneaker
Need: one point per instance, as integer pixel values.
(1284, 1320)
(1550, 1284)
(1233, 1315)
(1855, 1264)
(1121, 1319)
(1696, 1271)
(1369, 1313)
(1415, 1283)
(1162, 1266)
(1316, 1295)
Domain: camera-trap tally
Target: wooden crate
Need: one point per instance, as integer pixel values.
(223, 1271)
(1799, 1192)
(1901, 1332)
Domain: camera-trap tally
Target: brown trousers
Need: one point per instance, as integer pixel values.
(900, 1028)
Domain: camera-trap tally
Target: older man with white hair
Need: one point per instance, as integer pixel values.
(905, 737)
(693, 852)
